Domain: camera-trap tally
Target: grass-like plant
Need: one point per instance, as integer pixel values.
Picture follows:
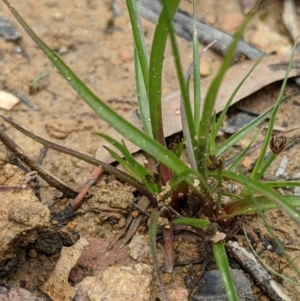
(177, 180)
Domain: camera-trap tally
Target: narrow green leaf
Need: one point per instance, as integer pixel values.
(223, 266)
(270, 157)
(228, 103)
(140, 169)
(189, 122)
(236, 137)
(210, 99)
(155, 70)
(212, 138)
(139, 42)
(238, 159)
(258, 187)
(196, 72)
(136, 170)
(193, 222)
(282, 183)
(259, 162)
(142, 97)
(245, 206)
(125, 165)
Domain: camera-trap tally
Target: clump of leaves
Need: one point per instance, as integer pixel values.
(177, 180)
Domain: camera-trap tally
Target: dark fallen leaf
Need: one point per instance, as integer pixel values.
(237, 122)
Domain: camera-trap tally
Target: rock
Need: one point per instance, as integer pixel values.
(59, 129)
(211, 287)
(122, 283)
(17, 294)
(95, 259)
(139, 248)
(21, 216)
(204, 68)
(8, 30)
(7, 100)
(178, 294)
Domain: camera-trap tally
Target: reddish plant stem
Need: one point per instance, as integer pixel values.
(77, 202)
(168, 239)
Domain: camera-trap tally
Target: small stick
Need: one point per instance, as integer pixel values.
(262, 278)
(42, 155)
(150, 10)
(142, 205)
(51, 179)
(27, 101)
(77, 202)
(31, 185)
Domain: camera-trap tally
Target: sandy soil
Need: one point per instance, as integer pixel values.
(102, 56)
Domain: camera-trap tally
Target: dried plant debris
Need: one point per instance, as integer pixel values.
(183, 26)
(57, 286)
(273, 289)
(8, 30)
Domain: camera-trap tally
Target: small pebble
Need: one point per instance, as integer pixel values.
(32, 253)
(282, 260)
(135, 213)
(188, 281)
(58, 16)
(7, 100)
(8, 30)
(204, 68)
(126, 56)
(139, 248)
(42, 257)
(167, 278)
(63, 50)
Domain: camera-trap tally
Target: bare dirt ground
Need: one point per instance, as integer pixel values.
(101, 54)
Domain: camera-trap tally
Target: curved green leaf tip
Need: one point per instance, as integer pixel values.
(193, 222)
